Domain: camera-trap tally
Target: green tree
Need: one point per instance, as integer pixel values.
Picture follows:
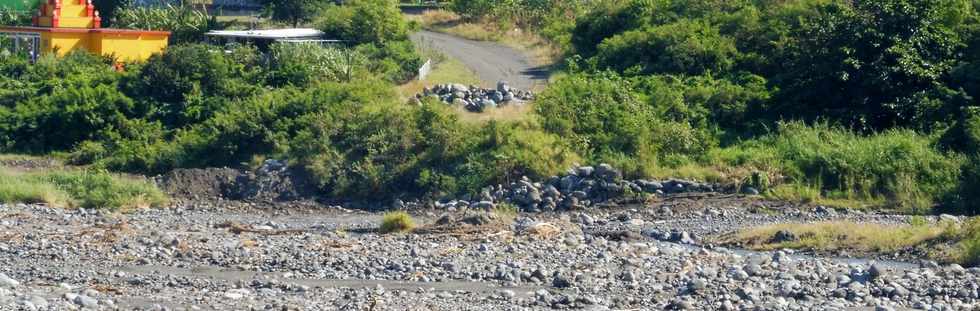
(685, 47)
(472, 9)
(365, 21)
(188, 83)
(294, 12)
(867, 63)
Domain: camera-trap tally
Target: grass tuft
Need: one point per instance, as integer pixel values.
(506, 211)
(396, 222)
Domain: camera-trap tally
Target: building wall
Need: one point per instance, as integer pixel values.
(125, 47)
(63, 42)
(128, 47)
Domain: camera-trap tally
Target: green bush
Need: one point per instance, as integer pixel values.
(966, 198)
(188, 83)
(365, 21)
(684, 47)
(602, 119)
(12, 17)
(395, 61)
(705, 102)
(379, 32)
(69, 114)
(472, 9)
(964, 135)
(294, 12)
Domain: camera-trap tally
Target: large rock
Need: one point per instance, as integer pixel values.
(502, 87)
(607, 172)
(8, 282)
(460, 88)
(585, 171)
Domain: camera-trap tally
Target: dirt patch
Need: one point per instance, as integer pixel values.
(263, 185)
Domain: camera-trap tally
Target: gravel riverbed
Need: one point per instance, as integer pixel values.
(303, 256)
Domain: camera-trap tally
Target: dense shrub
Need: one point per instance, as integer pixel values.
(379, 32)
(472, 9)
(395, 61)
(704, 102)
(294, 12)
(61, 102)
(365, 21)
(553, 19)
(12, 17)
(603, 120)
(188, 83)
(870, 65)
(684, 47)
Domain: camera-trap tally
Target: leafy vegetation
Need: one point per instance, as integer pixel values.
(293, 12)
(377, 30)
(85, 189)
(12, 17)
(186, 23)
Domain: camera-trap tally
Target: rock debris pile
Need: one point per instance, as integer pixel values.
(578, 188)
(474, 98)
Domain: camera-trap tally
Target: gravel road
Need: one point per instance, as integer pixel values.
(491, 61)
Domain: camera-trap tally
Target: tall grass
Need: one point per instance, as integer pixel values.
(834, 236)
(946, 241)
(85, 189)
(900, 168)
(17, 189)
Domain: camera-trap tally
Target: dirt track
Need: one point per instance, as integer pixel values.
(492, 62)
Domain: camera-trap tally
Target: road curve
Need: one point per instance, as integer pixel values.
(491, 61)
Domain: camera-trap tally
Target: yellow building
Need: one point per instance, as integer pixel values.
(64, 26)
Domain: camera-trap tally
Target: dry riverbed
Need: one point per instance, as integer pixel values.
(230, 255)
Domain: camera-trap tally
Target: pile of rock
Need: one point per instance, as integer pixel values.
(273, 181)
(578, 188)
(474, 98)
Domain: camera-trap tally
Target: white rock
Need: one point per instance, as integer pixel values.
(236, 294)
(6, 281)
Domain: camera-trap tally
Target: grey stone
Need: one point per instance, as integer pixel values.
(783, 236)
(86, 301)
(875, 271)
(696, 285)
